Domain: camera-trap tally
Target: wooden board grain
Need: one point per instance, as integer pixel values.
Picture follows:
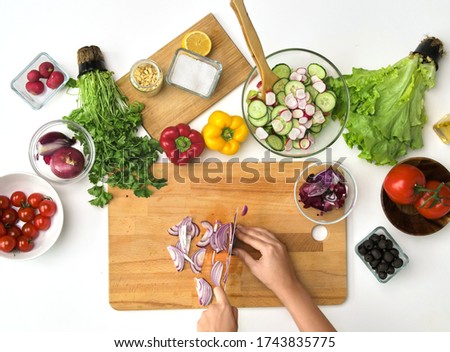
(141, 273)
(173, 105)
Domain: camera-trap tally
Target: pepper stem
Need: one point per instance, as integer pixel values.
(227, 134)
(183, 143)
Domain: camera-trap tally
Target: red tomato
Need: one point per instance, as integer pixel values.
(42, 222)
(26, 214)
(24, 244)
(47, 208)
(9, 216)
(29, 230)
(14, 231)
(2, 229)
(434, 205)
(401, 181)
(5, 203)
(34, 199)
(18, 198)
(7, 243)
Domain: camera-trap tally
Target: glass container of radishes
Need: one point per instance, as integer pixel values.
(40, 80)
(62, 152)
(295, 118)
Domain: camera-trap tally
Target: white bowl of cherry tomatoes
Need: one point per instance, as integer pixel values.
(31, 216)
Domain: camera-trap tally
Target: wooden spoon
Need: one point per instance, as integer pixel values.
(268, 78)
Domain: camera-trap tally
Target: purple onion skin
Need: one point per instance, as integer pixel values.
(52, 141)
(67, 162)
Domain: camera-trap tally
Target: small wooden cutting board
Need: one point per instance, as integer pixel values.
(173, 105)
(142, 274)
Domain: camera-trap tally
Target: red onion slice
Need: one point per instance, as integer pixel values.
(244, 210)
(197, 260)
(204, 291)
(216, 273)
(177, 257)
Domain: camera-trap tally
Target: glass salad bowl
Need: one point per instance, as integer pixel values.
(298, 118)
(330, 191)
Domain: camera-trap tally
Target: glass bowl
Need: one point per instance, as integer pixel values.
(320, 137)
(194, 73)
(19, 82)
(146, 76)
(83, 142)
(336, 214)
(369, 243)
(31, 183)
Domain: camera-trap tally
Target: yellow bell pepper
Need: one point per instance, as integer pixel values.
(224, 133)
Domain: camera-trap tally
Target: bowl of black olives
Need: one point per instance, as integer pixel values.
(381, 254)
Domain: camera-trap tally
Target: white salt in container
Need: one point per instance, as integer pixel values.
(194, 73)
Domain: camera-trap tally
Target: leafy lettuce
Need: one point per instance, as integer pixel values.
(387, 111)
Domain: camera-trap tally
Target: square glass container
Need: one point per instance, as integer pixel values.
(19, 82)
(380, 232)
(194, 73)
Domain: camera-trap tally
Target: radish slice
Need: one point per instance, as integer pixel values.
(271, 98)
(305, 143)
(318, 117)
(320, 86)
(300, 93)
(297, 113)
(310, 109)
(291, 101)
(288, 145)
(301, 70)
(277, 125)
(302, 131)
(286, 115)
(315, 79)
(301, 103)
(308, 124)
(303, 120)
(261, 133)
(259, 85)
(294, 134)
(308, 97)
(295, 76)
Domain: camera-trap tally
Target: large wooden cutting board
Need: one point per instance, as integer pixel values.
(142, 274)
(173, 105)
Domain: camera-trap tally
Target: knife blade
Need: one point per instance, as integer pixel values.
(230, 249)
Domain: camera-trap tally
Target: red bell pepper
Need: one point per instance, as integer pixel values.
(181, 143)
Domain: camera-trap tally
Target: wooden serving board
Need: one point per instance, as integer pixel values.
(142, 274)
(173, 105)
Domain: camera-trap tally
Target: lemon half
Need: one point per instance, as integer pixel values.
(198, 42)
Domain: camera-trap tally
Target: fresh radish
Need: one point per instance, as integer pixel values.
(46, 68)
(320, 86)
(33, 76)
(310, 109)
(271, 98)
(261, 133)
(286, 115)
(55, 79)
(297, 113)
(34, 88)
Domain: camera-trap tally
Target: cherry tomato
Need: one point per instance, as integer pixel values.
(18, 198)
(2, 229)
(34, 199)
(7, 243)
(434, 205)
(24, 244)
(29, 230)
(9, 216)
(14, 231)
(401, 181)
(47, 208)
(26, 214)
(42, 222)
(5, 203)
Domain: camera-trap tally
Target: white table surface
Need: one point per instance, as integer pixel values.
(67, 288)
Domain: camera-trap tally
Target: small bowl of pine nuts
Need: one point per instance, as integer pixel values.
(146, 76)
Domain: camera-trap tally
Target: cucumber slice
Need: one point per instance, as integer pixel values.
(326, 101)
(259, 122)
(282, 70)
(312, 92)
(251, 95)
(275, 142)
(257, 109)
(287, 126)
(316, 128)
(280, 97)
(276, 111)
(316, 70)
(279, 85)
(296, 144)
(292, 86)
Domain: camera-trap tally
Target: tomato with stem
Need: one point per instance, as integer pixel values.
(18, 198)
(34, 199)
(24, 244)
(402, 183)
(434, 202)
(47, 208)
(26, 214)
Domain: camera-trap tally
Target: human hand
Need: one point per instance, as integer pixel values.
(274, 268)
(220, 316)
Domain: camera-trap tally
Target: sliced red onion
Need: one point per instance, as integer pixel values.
(216, 273)
(204, 241)
(204, 291)
(185, 239)
(219, 239)
(173, 230)
(225, 276)
(52, 141)
(207, 225)
(244, 210)
(177, 257)
(197, 260)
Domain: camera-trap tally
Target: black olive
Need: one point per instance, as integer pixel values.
(362, 250)
(376, 253)
(388, 257)
(368, 257)
(382, 244)
(374, 238)
(382, 237)
(368, 244)
(389, 244)
(390, 270)
(382, 267)
(382, 275)
(374, 263)
(397, 263)
(394, 251)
